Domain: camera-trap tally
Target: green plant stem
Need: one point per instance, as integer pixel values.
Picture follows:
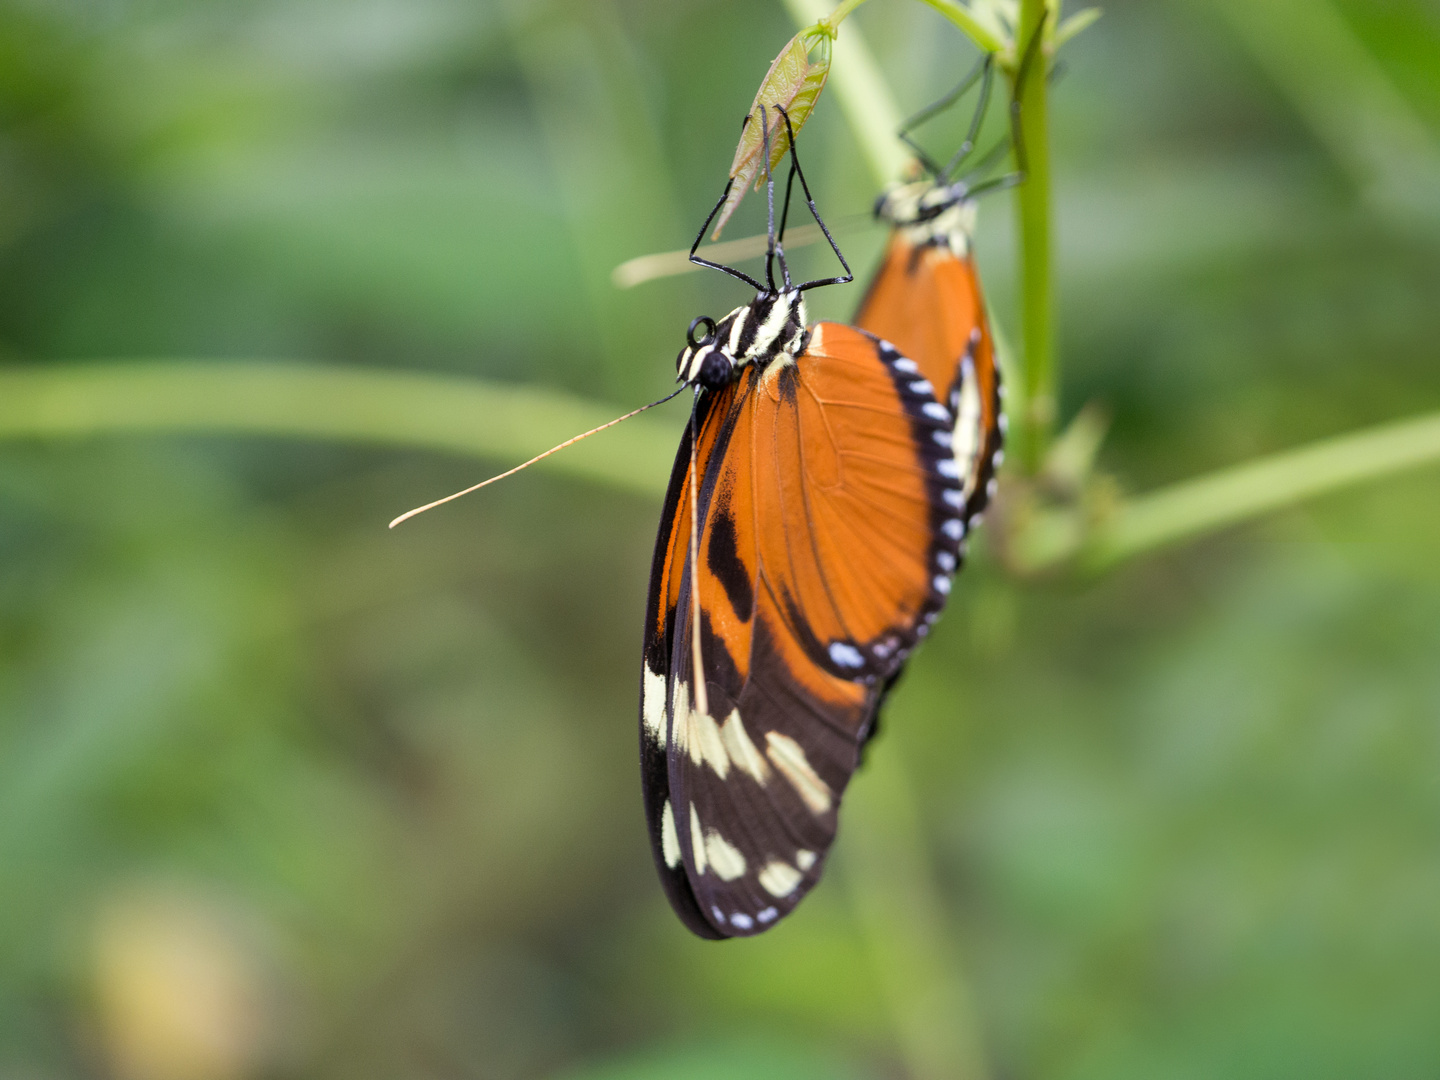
(1349, 100)
(1037, 285)
(506, 423)
(1247, 491)
(400, 409)
(842, 12)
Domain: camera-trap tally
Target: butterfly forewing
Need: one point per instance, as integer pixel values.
(827, 488)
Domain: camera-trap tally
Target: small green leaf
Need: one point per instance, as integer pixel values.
(793, 84)
(1076, 23)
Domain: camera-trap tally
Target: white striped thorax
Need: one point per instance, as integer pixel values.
(770, 328)
(928, 213)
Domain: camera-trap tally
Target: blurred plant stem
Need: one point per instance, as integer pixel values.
(430, 412)
(1341, 91)
(1033, 207)
(491, 421)
(896, 899)
(1202, 505)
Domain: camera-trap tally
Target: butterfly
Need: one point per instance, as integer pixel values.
(812, 524)
(926, 295)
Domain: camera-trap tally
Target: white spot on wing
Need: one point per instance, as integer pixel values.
(725, 859)
(741, 920)
(697, 734)
(669, 837)
(779, 878)
(953, 497)
(947, 468)
(942, 584)
(697, 841)
(652, 704)
(969, 437)
(935, 411)
(768, 914)
(954, 529)
(905, 364)
(789, 758)
(921, 386)
(804, 859)
(844, 654)
(741, 750)
(945, 561)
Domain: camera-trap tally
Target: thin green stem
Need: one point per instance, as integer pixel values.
(1037, 284)
(402, 409)
(507, 423)
(841, 13)
(961, 17)
(1247, 491)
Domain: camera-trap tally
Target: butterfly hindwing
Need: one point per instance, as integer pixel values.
(826, 489)
(926, 299)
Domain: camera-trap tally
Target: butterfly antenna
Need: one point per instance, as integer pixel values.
(702, 698)
(538, 457)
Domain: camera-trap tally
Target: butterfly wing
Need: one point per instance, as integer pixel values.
(926, 300)
(827, 493)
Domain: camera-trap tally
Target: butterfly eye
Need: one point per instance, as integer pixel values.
(709, 324)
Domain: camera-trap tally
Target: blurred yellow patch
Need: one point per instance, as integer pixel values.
(181, 993)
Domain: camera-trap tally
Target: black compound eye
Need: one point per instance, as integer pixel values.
(709, 324)
(716, 370)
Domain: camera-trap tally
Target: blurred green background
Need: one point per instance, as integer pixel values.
(283, 794)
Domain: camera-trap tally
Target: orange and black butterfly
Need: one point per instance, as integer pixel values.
(811, 528)
(926, 296)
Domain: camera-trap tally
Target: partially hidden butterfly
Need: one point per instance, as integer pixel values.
(926, 299)
(813, 521)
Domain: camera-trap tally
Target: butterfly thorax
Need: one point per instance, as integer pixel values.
(929, 213)
(768, 330)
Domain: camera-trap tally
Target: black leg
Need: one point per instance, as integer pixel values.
(987, 82)
(810, 202)
(1017, 133)
(698, 261)
(785, 217)
(934, 109)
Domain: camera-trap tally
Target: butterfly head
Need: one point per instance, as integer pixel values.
(930, 213)
(769, 328)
